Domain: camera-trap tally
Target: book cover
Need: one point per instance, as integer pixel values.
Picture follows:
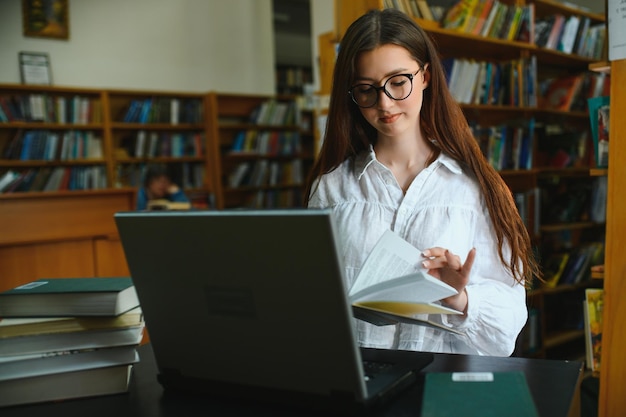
(599, 112)
(55, 297)
(594, 305)
(561, 92)
(477, 394)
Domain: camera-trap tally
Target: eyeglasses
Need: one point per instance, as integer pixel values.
(396, 88)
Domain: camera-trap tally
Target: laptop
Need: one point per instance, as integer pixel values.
(251, 304)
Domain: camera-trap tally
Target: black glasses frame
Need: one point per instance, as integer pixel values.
(383, 89)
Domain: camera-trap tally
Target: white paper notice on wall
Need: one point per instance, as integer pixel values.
(616, 15)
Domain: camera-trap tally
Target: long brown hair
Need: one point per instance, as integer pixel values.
(348, 133)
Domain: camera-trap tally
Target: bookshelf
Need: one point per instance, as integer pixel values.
(159, 127)
(52, 138)
(291, 79)
(65, 148)
(535, 184)
(67, 229)
(100, 139)
(262, 153)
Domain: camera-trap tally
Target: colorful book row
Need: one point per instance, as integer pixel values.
(267, 142)
(164, 110)
(511, 83)
(50, 109)
(507, 146)
(47, 145)
(264, 172)
(54, 179)
(166, 144)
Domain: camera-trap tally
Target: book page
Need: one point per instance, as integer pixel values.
(391, 257)
(418, 287)
(393, 273)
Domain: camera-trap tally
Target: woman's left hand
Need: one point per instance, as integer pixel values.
(446, 266)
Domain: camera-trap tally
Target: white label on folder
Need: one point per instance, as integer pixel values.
(31, 285)
(472, 376)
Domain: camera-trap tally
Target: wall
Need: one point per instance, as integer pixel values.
(180, 45)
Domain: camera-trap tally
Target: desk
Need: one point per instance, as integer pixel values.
(554, 386)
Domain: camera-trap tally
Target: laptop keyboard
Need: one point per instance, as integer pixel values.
(373, 368)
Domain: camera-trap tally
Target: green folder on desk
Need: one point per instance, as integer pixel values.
(477, 394)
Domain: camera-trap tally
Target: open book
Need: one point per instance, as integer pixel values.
(392, 287)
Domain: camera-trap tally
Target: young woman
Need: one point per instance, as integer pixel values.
(398, 154)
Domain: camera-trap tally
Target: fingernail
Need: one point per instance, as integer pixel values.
(425, 264)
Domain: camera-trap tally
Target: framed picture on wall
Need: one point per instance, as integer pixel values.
(46, 18)
(35, 68)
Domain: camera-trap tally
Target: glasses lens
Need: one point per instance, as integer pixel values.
(364, 95)
(399, 87)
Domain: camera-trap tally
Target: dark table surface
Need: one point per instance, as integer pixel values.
(553, 384)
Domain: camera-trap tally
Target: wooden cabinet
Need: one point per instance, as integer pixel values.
(556, 314)
(63, 234)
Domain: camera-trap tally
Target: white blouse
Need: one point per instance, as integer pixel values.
(442, 207)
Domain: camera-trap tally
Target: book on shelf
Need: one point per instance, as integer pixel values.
(593, 307)
(390, 288)
(599, 192)
(561, 92)
(569, 34)
(477, 394)
(553, 269)
(599, 116)
(65, 385)
(53, 297)
(578, 268)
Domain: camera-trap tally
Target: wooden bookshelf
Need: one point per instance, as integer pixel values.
(260, 160)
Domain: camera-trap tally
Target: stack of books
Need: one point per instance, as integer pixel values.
(67, 338)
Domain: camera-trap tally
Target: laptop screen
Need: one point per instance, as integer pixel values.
(252, 297)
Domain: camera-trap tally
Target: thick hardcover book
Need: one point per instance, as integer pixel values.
(57, 297)
(31, 326)
(477, 394)
(22, 347)
(66, 385)
(67, 361)
(562, 92)
(390, 289)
